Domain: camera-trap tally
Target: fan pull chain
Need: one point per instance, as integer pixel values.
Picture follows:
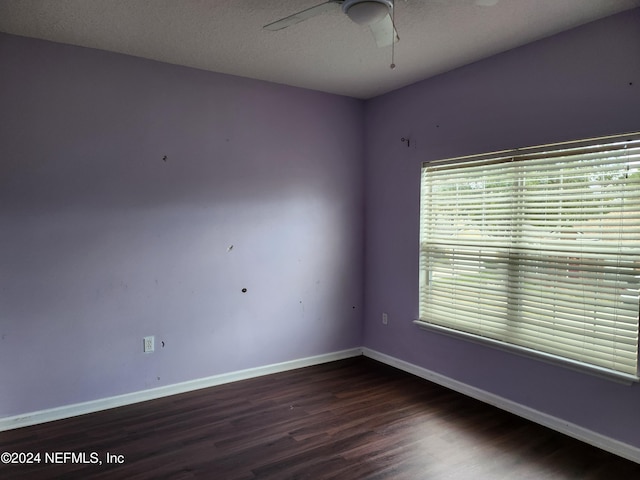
(393, 65)
(393, 35)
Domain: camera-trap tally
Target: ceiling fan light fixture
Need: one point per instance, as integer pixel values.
(366, 12)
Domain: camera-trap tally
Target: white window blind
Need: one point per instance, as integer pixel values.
(537, 249)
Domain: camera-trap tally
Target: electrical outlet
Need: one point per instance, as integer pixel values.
(385, 319)
(148, 344)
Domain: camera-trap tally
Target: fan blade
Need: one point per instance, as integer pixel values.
(301, 16)
(384, 32)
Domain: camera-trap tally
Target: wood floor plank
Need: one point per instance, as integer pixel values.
(351, 419)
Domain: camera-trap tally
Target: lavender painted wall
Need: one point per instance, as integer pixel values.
(104, 241)
(582, 83)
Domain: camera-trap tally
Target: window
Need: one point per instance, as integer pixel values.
(537, 249)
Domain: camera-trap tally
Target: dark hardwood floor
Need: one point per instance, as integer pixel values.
(352, 419)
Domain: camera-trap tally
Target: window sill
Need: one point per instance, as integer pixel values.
(605, 373)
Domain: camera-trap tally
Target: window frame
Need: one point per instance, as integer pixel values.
(516, 155)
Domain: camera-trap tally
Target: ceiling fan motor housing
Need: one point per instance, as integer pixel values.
(367, 12)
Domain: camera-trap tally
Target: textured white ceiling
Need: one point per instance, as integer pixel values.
(328, 53)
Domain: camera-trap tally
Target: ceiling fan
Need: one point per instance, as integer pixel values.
(377, 14)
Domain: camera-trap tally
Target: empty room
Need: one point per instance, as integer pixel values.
(287, 239)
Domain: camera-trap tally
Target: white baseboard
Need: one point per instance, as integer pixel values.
(588, 436)
(67, 411)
